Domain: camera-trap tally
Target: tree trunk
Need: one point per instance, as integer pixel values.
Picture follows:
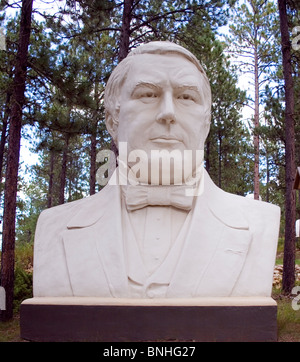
(123, 48)
(4, 127)
(256, 125)
(288, 278)
(11, 182)
(93, 164)
(63, 172)
(93, 138)
(125, 31)
(3, 136)
(268, 175)
(51, 175)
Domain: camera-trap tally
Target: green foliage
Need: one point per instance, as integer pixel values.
(24, 255)
(71, 56)
(72, 53)
(22, 287)
(23, 273)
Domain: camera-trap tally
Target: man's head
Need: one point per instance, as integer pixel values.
(159, 98)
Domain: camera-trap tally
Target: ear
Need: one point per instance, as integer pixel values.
(112, 126)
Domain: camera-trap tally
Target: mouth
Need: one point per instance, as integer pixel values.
(166, 140)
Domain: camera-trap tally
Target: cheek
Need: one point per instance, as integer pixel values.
(136, 113)
(195, 128)
(126, 122)
(202, 132)
(130, 132)
(134, 120)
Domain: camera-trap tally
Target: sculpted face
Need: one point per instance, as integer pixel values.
(162, 106)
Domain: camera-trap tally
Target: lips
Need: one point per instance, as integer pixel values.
(170, 139)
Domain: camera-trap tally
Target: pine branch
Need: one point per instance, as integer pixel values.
(159, 17)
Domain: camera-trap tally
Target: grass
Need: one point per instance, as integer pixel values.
(279, 259)
(10, 331)
(280, 250)
(288, 321)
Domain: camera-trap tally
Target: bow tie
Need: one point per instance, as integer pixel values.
(140, 196)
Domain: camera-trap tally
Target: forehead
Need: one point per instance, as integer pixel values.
(159, 69)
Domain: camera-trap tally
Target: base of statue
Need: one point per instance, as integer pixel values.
(120, 320)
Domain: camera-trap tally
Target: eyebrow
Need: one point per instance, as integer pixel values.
(193, 88)
(190, 87)
(145, 84)
(159, 86)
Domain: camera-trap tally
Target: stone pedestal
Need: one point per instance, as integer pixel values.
(115, 320)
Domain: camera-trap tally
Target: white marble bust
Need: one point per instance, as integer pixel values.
(171, 233)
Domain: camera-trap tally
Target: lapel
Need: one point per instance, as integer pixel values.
(216, 246)
(211, 256)
(96, 227)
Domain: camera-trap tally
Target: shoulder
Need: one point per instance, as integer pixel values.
(261, 216)
(69, 209)
(61, 213)
(237, 210)
(54, 220)
(261, 212)
(79, 213)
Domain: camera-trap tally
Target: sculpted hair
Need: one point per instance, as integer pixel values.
(119, 76)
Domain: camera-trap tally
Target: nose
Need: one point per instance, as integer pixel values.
(166, 113)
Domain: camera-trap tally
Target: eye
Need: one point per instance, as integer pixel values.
(148, 94)
(186, 97)
(145, 94)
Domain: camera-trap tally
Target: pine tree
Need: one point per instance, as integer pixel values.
(7, 60)
(252, 40)
(9, 216)
(288, 277)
